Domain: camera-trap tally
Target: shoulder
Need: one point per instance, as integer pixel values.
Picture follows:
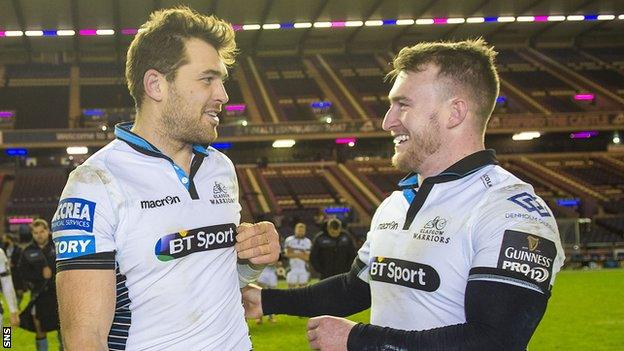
(319, 237)
(220, 158)
(511, 204)
(504, 191)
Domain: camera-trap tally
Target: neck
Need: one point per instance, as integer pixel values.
(43, 244)
(150, 129)
(446, 157)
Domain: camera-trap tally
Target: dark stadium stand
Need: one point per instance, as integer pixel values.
(292, 86)
(36, 191)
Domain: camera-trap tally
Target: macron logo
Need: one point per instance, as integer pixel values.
(169, 200)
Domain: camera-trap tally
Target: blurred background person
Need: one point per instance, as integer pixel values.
(38, 270)
(297, 249)
(333, 250)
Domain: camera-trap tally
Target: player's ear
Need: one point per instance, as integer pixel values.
(458, 112)
(155, 85)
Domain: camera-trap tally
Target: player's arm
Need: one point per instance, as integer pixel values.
(84, 229)
(290, 253)
(340, 295)
(86, 307)
(498, 317)
(305, 255)
(503, 303)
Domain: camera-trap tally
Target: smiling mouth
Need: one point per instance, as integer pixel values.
(213, 115)
(400, 139)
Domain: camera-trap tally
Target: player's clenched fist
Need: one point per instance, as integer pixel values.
(258, 243)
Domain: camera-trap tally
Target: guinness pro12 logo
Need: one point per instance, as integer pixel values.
(528, 254)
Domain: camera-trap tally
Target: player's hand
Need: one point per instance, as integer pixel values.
(252, 301)
(15, 320)
(259, 243)
(47, 272)
(327, 333)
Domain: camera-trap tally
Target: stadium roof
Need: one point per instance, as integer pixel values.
(438, 20)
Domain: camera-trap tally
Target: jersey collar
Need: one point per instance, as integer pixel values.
(123, 132)
(416, 195)
(460, 169)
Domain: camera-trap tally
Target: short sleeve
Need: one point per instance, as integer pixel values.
(84, 223)
(516, 241)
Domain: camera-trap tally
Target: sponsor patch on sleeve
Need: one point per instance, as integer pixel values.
(74, 213)
(72, 246)
(530, 255)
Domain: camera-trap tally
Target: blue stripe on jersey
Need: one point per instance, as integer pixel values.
(410, 180)
(118, 334)
(123, 132)
(409, 195)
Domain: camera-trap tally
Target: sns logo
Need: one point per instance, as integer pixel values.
(74, 213)
(74, 246)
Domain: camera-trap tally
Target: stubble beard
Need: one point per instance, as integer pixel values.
(422, 145)
(182, 124)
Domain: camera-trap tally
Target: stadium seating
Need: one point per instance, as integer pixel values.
(293, 83)
(36, 191)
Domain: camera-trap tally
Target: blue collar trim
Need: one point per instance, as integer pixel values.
(123, 132)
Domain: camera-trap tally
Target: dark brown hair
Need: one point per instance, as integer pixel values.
(160, 44)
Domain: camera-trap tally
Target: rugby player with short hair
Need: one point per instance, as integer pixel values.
(463, 255)
(297, 250)
(147, 229)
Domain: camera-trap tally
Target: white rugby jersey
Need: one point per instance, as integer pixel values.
(474, 221)
(294, 243)
(172, 235)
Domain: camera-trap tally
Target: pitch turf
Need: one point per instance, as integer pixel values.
(585, 312)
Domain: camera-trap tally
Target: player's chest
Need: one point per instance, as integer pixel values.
(165, 223)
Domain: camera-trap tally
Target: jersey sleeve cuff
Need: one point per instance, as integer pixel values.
(100, 260)
(505, 277)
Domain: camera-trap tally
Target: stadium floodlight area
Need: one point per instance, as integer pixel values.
(526, 136)
(341, 24)
(283, 143)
